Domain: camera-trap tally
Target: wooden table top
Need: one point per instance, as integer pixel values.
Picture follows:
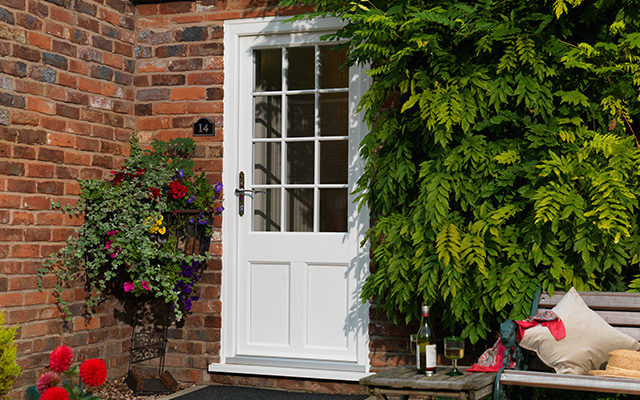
(407, 376)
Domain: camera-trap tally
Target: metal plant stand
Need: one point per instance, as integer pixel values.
(152, 318)
(148, 346)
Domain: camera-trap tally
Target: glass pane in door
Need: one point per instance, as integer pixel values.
(334, 114)
(333, 210)
(301, 73)
(266, 211)
(333, 71)
(301, 111)
(300, 162)
(267, 163)
(268, 64)
(333, 161)
(268, 117)
(300, 210)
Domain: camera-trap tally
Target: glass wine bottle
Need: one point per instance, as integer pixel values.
(425, 346)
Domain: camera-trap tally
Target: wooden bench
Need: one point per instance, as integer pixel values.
(620, 310)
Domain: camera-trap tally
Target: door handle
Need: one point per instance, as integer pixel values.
(240, 192)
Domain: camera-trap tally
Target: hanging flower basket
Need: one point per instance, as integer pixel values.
(146, 229)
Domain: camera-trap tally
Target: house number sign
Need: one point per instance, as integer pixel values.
(204, 127)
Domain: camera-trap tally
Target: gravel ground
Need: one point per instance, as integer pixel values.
(118, 390)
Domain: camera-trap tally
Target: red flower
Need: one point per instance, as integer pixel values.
(55, 393)
(47, 380)
(93, 372)
(119, 177)
(177, 190)
(60, 359)
(155, 193)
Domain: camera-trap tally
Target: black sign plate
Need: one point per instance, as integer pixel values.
(204, 127)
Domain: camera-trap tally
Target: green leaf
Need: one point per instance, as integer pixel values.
(31, 393)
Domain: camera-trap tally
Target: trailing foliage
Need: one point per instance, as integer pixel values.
(501, 155)
(9, 368)
(132, 239)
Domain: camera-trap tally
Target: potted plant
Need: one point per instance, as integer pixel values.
(145, 232)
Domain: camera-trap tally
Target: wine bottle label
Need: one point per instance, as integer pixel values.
(432, 356)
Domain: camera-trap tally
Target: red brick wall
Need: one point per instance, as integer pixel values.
(66, 112)
(76, 78)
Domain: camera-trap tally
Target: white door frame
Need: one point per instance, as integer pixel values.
(234, 30)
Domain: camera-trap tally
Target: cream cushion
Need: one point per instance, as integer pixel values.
(587, 343)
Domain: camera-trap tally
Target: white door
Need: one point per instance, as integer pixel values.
(292, 265)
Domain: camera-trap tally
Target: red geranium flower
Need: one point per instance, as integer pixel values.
(119, 177)
(60, 359)
(55, 393)
(177, 190)
(47, 380)
(93, 372)
(155, 193)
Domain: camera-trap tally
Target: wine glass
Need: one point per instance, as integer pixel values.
(413, 340)
(454, 350)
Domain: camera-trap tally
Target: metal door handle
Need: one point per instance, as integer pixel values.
(240, 191)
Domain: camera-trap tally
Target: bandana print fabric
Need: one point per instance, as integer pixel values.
(548, 319)
(491, 360)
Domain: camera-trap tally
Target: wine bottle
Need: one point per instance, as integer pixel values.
(425, 346)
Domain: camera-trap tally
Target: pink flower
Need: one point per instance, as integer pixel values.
(145, 285)
(116, 249)
(47, 380)
(129, 286)
(60, 359)
(111, 233)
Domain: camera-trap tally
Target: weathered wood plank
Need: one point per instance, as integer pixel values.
(407, 377)
(388, 374)
(633, 332)
(598, 300)
(570, 382)
(620, 310)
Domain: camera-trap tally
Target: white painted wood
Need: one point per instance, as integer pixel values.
(290, 300)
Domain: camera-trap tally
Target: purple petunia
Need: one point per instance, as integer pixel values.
(184, 287)
(190, 200)
(220, 209)
(180, 174)
(218, 187)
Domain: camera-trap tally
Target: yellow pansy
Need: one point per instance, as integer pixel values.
(157, 226)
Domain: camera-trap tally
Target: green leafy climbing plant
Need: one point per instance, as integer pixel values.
(502, 153)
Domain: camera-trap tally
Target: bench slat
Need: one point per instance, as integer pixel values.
(570, 382)
(633, 332)
(623, 301)
(622, 318)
